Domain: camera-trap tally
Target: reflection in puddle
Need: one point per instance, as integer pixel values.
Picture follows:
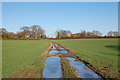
(52, 68)
(82, 71)
(54, 52)
(57, 52)
(64, 51)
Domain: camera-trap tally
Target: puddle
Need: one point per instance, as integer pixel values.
(53, 46)
(82, 71)
(52, 68)
(57, 52)
(54, 52)
(64, 51)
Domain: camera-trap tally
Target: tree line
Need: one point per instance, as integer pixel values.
(85, 34)
(32, 32)
(36, 32)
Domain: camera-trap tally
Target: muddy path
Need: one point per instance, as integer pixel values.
(61, 63)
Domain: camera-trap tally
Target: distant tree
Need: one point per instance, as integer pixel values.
(12, 35)
(25, 30)
(89, 34)
(68, 32)
(83, 31)
(3, 30)
(43, 36)
(36, 31)
(20, 35)
(110, 33)
(96, 33)
(4, 33)
(62, 33)
(113, 33)
(58, 34)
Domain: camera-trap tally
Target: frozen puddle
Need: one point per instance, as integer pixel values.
(52, 68)
(82, 71)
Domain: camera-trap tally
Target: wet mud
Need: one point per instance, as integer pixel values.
(53, 66)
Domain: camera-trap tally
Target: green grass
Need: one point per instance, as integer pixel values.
(20, 54)
(67, 70)
(0, 59)
(100, 53)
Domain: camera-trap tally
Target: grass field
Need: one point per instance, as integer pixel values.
(101, 53)
(20, 54)
(0, 58)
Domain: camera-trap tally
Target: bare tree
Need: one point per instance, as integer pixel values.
(3, 30)
(110, 33)
(113, 33)
(25, 30)
(62, 33)
(83, 31)
(96, 33)
(36, 31)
